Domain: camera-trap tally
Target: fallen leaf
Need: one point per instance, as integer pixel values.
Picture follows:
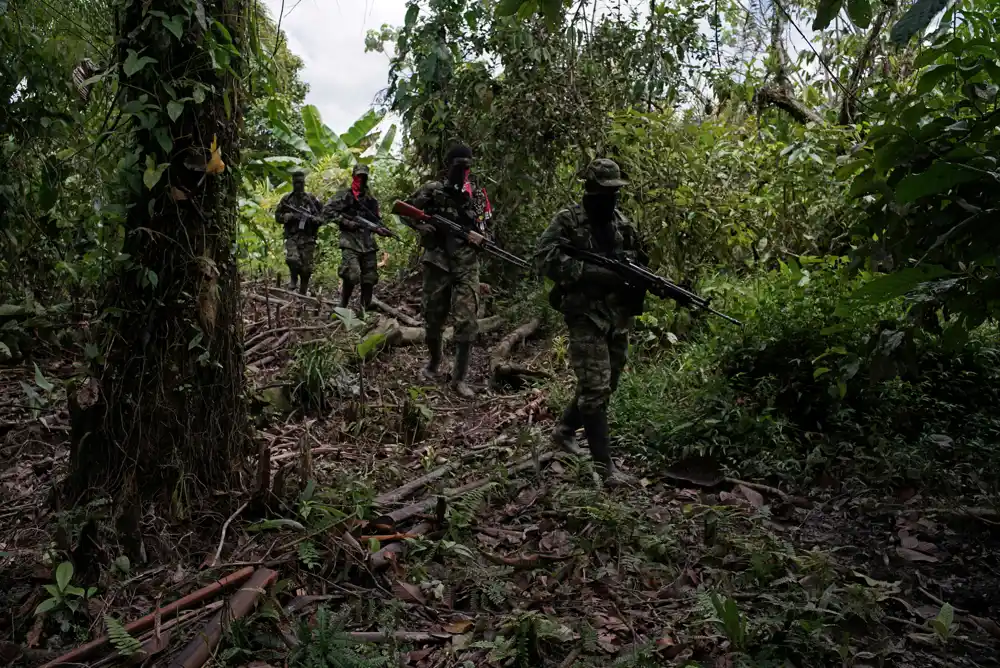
(913, 555)
(215, 164)
(461, 642)
(461, 626)
(987, 625)
(177, 194)
(408, 592)
(35, 634)
(755, 498)
(419, 654)
(908, 541)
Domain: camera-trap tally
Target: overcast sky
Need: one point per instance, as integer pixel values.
(329, 36)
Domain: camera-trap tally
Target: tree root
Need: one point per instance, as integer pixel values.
(502, 373)
(393, 312)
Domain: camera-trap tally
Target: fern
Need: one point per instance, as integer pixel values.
(464, 510)
(327, 646)
(308, 554)
(120, 638)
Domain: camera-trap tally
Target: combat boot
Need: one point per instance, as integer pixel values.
(595, 425)
(367, 292)
(345, 294)
(564, 434)
(463, 352)
(304, 282)
(430, 371)
(293, 281)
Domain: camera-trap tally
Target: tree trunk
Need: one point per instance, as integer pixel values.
(169, 423)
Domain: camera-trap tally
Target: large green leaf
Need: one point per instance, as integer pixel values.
(411, 15)
(355, 135)
(916, 18)
(941, 176)
(897, 283)
(509, 7)
(826, 13)
(934, 75)
(386, 145)
(552, 11)
(860, 12)
(322, 140)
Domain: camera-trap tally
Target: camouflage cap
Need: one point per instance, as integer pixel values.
(360, 169)
(604, 172)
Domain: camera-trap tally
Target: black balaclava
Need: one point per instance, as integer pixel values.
(459, 162)
(600, 204)
(299, 183)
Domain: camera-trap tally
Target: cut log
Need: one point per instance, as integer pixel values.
(80, 655)
(242, 602)
(399, 335)
(395, 313)
(512, 341)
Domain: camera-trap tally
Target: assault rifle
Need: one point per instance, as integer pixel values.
(370, 226)
(451, 227)
(357, 220)
(639, 277)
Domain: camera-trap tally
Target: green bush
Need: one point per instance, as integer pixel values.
(819, 382)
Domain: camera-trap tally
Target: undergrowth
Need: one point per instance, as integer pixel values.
(820, 383)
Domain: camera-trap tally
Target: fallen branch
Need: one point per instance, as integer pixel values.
(81, 654)
(261, 298)
(407, 490)
(512, 341)
(381, 559)
(380, 305)
(326, 449)
(398, 335)
(306, 298)
(199, 649)
(426, 505)
(398, 636)
(222, 538)
(522, 563)
(249, 344)
(766, 489)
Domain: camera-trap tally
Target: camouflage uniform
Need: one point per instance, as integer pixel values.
(300, 230)
(358, 263)
(598, 320)
(451, 265)
(598, 307)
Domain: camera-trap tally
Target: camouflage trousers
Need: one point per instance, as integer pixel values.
(358, 267)
(597, 356)
(299, 252)
(456, 291)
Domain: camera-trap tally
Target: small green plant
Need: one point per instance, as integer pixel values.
(62, 594)
(944, 622)
(313, 372)
(325, 645)
(309, 555)
(120, 638)
(415, 416)
(730, 621)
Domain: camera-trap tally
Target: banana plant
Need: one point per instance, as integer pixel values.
(320, 143)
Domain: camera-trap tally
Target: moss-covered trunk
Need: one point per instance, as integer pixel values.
(170, 421)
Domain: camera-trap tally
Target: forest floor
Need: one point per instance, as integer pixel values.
(501, 551)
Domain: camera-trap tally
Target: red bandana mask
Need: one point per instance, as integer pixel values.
(356, 186)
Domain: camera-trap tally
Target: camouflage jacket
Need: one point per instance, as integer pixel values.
(293, 221)
(607, 309)
(440, 249)
(366, 206)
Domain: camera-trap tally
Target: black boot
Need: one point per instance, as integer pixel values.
(293, 281)
(463, 352)
(564, 434)
(596, 427)
(367, 292)
(304, 282)
(430, 371)
(345, 294)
